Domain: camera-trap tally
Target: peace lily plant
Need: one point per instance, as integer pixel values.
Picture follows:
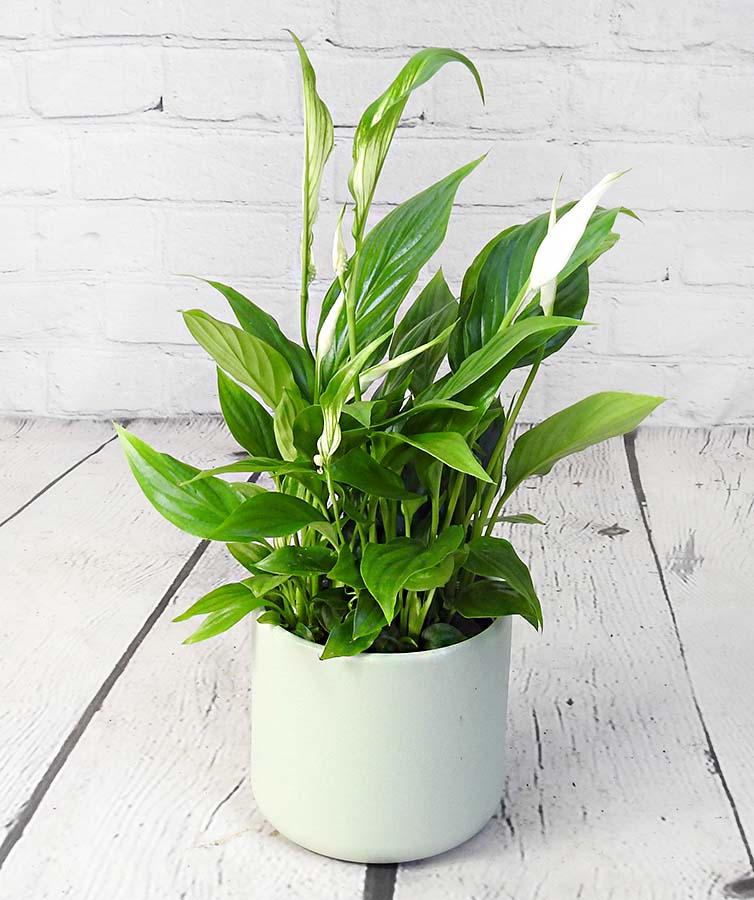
(387, 439)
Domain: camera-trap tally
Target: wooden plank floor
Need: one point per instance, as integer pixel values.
(124, 755)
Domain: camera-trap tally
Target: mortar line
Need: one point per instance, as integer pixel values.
(379, 882)
(629, 443)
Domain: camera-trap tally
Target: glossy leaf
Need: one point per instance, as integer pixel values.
(220, 621)
(346, 569)
(575, 428)
(495, 558)
(242, 355)
(198, 508)
(341, 641)
(298, 561)
(229, 596)
(441, 634)
(375, 130)
(450, 448)
(369, 616)
(291, 404)
(248, 421)
(248, 555)
(521, 519)
(358, 469)
(492, 599)
(268, 515)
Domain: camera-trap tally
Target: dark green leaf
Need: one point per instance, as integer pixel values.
(358, 469)
(491, 599)
(575, 428)
(495, 558)
(198, 508)
(248, 554)
(369, 616)
(246, 418)
(298, 561)
(441, 634)
(345, 569)
(450, 448)
(341, 641)
(268, 515)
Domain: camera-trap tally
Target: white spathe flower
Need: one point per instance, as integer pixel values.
(326, 334)
(559, 243)
(329, 440)
(339, 254)
(547, 293)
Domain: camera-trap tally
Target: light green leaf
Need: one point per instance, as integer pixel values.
(248, 421)
(248, 554)
(369, 616)
(376, 128)
(521, 519)
(268, 515)
(298, 561)
(289, 407)
(345, 569)
(341, 641)
(197, 508)
(450, 448)
(575, 428)
(242, 355)
(220, 621)
(241, 594)
(441, 634)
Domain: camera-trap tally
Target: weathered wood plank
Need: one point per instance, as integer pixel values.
(609, 793)
(34, 452)
(700, 494)
(80, 571)
(155, 799)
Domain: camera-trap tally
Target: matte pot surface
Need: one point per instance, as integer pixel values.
(379, 757)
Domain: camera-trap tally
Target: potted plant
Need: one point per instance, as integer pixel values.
(382, 597)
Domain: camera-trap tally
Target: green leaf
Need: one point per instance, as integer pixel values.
(228, 596)
(223, 619)
(242, 355)
(307, 427)
(521, 519)
(389, 261)
(358, 469)
(434, 310)
(441, 634)
(369, 616)
(197, 508)
(319, 141)
(404, 361)
(248, 421)
(341, 641)
(495, 558)
(492, 599)
(248, 555)
(286, 412)
(268, 515)
(253, 464)
(386, 568)
(298, 561)
(345, 569)
(438, 576)
(575, 428)
(450, 448)
(246, 489)
(375, 130)
(262, 325)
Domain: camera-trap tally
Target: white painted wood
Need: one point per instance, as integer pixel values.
(609, 792)
(33, 452)
(155, 802)
(80, 570)
(700, 495)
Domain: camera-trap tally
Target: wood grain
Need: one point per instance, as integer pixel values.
(155, 802)
(80, 571)
(34, 452)
(700, 497)
(609, 792)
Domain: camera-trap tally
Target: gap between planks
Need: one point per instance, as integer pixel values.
(629, 443)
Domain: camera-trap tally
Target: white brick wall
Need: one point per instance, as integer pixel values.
(143, 139)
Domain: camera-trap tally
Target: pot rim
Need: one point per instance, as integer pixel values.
(382, 658)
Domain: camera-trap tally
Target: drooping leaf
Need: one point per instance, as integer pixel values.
(268, 515)
(198, 508)
(590, 421)
(262, 325)
(375, 130)
(369, 616)
(437, 576)
(341, 641)
(450, 448)
(346, 570)
(495, 558)
(491, 599)
(246, 489)
(291, 404)
(242, 355)
(389, 261)
(358, 469)
(248, 555)
(220, 621)
(298, 561)
(227, 596)
(248, 421)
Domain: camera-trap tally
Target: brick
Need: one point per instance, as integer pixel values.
(23, 382)
(230, 84)
(194, 18)
(183, 165)
(713, 393)
(649, 250)
(647, 25)
(726, 104)
(514, 173)
(97, 239)
(487, 24)
(101, 382)
(251, 245)
(17, 237)
(94, 81)
(634, 97)
(190, 385)
(521, 96)
(19, 18)
(34, 312)
(717, 251)
(35, 162)
(675, 177)
(9, 93)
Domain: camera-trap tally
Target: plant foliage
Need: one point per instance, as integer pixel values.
(374, 529)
